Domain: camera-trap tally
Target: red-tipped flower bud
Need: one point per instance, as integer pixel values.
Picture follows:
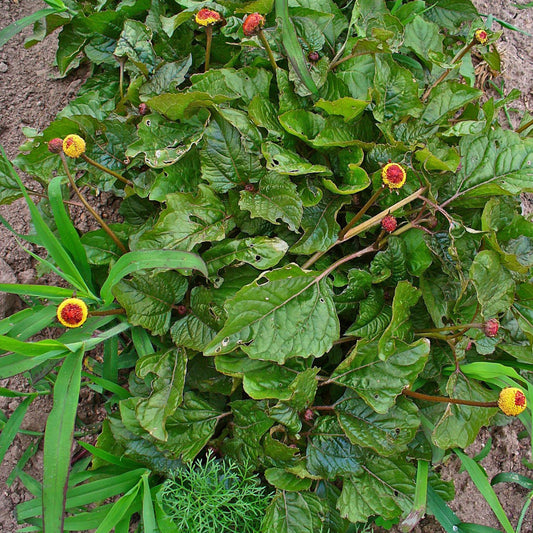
(253, 24)
(393, 175)
(72, 312)
(491, 327)
(313, 57)
(389, 223)
(249, 187)
(55, 145)
(512, 401)
(481, 36)
(182, 310)
(143, 109)
(208, 17)
(308, 415)
(73, 146)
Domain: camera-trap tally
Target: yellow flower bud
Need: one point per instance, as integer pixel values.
(72, 312)
(73, 146)
(512, 401)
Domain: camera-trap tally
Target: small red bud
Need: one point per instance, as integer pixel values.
(432, 222)
(491, 327)
(182, 310)
(481, 36)
(389, 223)
(313, 56)
(143, 109)
(309, 415)
(468, 346)
(55, 145)
(249, 187)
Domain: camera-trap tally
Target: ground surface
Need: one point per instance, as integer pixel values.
(31, 95)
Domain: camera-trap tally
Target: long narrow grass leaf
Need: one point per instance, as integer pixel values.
(17, 26)
(444, 515)
(292, 46)
(96, 340)
(40, 318)
(29, 452)
(40, 291)
(13, 364)
(109, 457)
(58, 441)
(141, 341)
(67, 232)
(89, 520)
(10, 430)
(482, 483)
(29, 349)
(48, 239)
(148, 514)
(133, 261)
(110, 366)
(119, 510)
(513, 477)
(110, 386)
(477, 528)
(33, 486)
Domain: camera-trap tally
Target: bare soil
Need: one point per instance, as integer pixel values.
(31, 94)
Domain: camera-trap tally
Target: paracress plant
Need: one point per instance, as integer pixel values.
(321, 268)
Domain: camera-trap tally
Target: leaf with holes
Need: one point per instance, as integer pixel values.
(284, 313)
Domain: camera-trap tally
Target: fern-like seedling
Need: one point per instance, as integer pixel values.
(214, 496)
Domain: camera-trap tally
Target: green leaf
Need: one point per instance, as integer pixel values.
(285, 313)
(380, 382)
(176, 106)
(390, 263)
(287, 162)
(405, 297)
(374, 316)
(163, 142)
(348, 108)
(459, 425)
(134, 261)
(292, 46)
(451, 13)
(166, 78)
(135, 44)
(419, 256)
(263, 113)
(167, 373)
(359, 283)
(383, 486)
(293, 512)
(320, 226)
(494, 284)
(148, 300)
(283, 480)
(226, 162)
(395, 92)
(188, 220)
(356, 180)
(387, 434)
(358, 73)
(9, 186)
(277, 199)
(260, 6)
(447, 98)
(11, 427)
(260, 252)
(422, 36)
(499, 163)
(190, 427)
(58, 440)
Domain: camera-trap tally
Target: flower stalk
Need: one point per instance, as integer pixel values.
(95, 215)
(97, 165)
(444, 399)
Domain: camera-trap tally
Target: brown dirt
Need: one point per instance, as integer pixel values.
(31, 95)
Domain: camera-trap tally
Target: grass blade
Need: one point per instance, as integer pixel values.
(67, 232)
(123, 462)
(512, 477)
(47, 238)
(149, 521)
(133, 261)
(482, 483)
(110, 386)
(110, 367)
(10, 430)
(292, 46)
(39, 291)
(19, 25)
(58, 441)
(119, 510)
(440, 510)
(30, 451)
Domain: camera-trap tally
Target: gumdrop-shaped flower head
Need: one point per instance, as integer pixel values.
(72, 312)
(253, 24)
(55, 145)
(512, 401)
(393, 175)
(481, 36)
(208, 17)
(491, 327)
(389, 223)
(73, 146)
